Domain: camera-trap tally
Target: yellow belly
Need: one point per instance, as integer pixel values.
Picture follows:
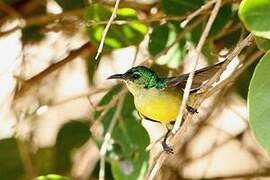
(158, 105)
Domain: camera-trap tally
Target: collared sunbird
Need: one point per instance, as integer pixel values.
(158, 99)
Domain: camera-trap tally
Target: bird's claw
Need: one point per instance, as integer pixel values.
(191, 110)
(167, 148)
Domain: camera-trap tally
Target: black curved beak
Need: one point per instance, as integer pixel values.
(117, 76)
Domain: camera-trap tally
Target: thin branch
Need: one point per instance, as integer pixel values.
(150, 146)
(204, 35)
(178, 38)
(198, 100)
(104, 146)
(145, 20)
(198, 51)
(82, 95)
(106, 108)
(104, 33)
(26, 85)
(236, 73)
(197, 12)
(239, 47)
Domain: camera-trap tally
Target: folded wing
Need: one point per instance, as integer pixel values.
(200, 76)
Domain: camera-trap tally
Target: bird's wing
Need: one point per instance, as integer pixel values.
(200, 76)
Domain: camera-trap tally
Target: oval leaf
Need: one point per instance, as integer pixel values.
(256, 16)
(72, 135)
(259, 102)
(158, 39)
(118, 36)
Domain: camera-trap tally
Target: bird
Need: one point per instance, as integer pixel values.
(159, 99)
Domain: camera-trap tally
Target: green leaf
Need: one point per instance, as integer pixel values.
(180, 7)
(72, 135)
(126, 153)
(158, 39)
(262, 43)
(256, 16)
(71, 4)
(224, 16)
(92, 64)
(118, 36)
(132, 139)
(44, 160)
(52, 177)
(243, 81)
(105, 100)
(32, 34)
(259, 102)
(173, 58)
(10, 160)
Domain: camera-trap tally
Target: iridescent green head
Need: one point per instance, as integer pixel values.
(141, 76)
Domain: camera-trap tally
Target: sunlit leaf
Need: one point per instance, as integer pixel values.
(174, 56)
(118, 35)
(255, 15)
(259, 102)
(52, 177)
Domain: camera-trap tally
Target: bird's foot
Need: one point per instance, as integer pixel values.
(191, 110)
(167, 148)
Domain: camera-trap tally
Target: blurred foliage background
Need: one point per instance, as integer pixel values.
(61, 118)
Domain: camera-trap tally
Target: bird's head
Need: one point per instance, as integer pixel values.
(139, 77)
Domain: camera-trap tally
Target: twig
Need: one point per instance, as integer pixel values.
(177, 39)
(199, 99)
(197, 12)
(26, 85)
(82, 95)
(145, 20)
(198, 51)
(150, 146)
(239, 47)
(113, 16)
(204, 35)
(236, 73)
(107, 138)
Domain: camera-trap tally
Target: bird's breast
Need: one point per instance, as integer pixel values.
(159, 105)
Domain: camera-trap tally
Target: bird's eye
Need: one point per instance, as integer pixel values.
(135, 76)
